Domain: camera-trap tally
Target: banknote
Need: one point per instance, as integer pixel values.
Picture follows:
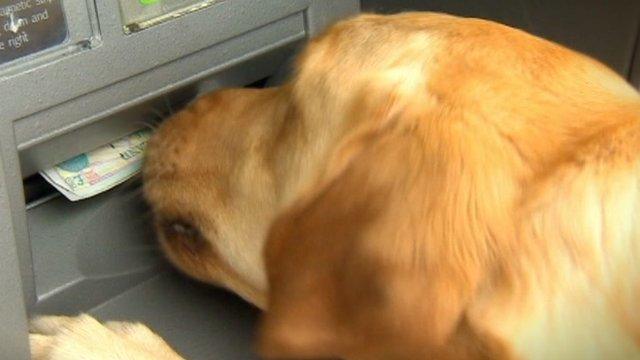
(97, 171)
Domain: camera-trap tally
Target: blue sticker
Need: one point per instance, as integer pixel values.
(75, 164)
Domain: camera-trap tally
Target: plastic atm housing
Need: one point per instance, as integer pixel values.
(97, 84)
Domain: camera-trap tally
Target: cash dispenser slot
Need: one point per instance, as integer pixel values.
(99, 132)
(149, 115)
(60, 148)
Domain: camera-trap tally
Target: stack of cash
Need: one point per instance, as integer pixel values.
(97, 171)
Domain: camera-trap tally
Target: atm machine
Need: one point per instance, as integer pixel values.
(77, 74)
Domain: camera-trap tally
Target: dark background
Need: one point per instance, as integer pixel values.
(604, 29)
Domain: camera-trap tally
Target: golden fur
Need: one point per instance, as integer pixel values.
(426, 186)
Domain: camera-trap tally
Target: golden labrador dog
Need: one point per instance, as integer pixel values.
(425, 187)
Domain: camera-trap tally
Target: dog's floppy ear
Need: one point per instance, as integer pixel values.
(351, 275)
(310, 256)
(307, 252)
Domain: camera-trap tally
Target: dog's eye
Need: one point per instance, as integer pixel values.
(181, 237)
(179, 228)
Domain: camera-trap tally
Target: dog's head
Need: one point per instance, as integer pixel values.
(367, 203)
(211, 191)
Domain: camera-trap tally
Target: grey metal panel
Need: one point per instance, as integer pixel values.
(87, 252)
(13, 267)
(82, 32)
(97, 104)
(199, 321)
(12, 182)
(605, 30)
(13, 332)
(325, 12)
(121, 56)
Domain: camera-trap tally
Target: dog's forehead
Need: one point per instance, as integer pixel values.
(188, 157)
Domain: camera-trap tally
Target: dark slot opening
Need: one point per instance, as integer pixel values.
(258, 84)
(36, 187)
